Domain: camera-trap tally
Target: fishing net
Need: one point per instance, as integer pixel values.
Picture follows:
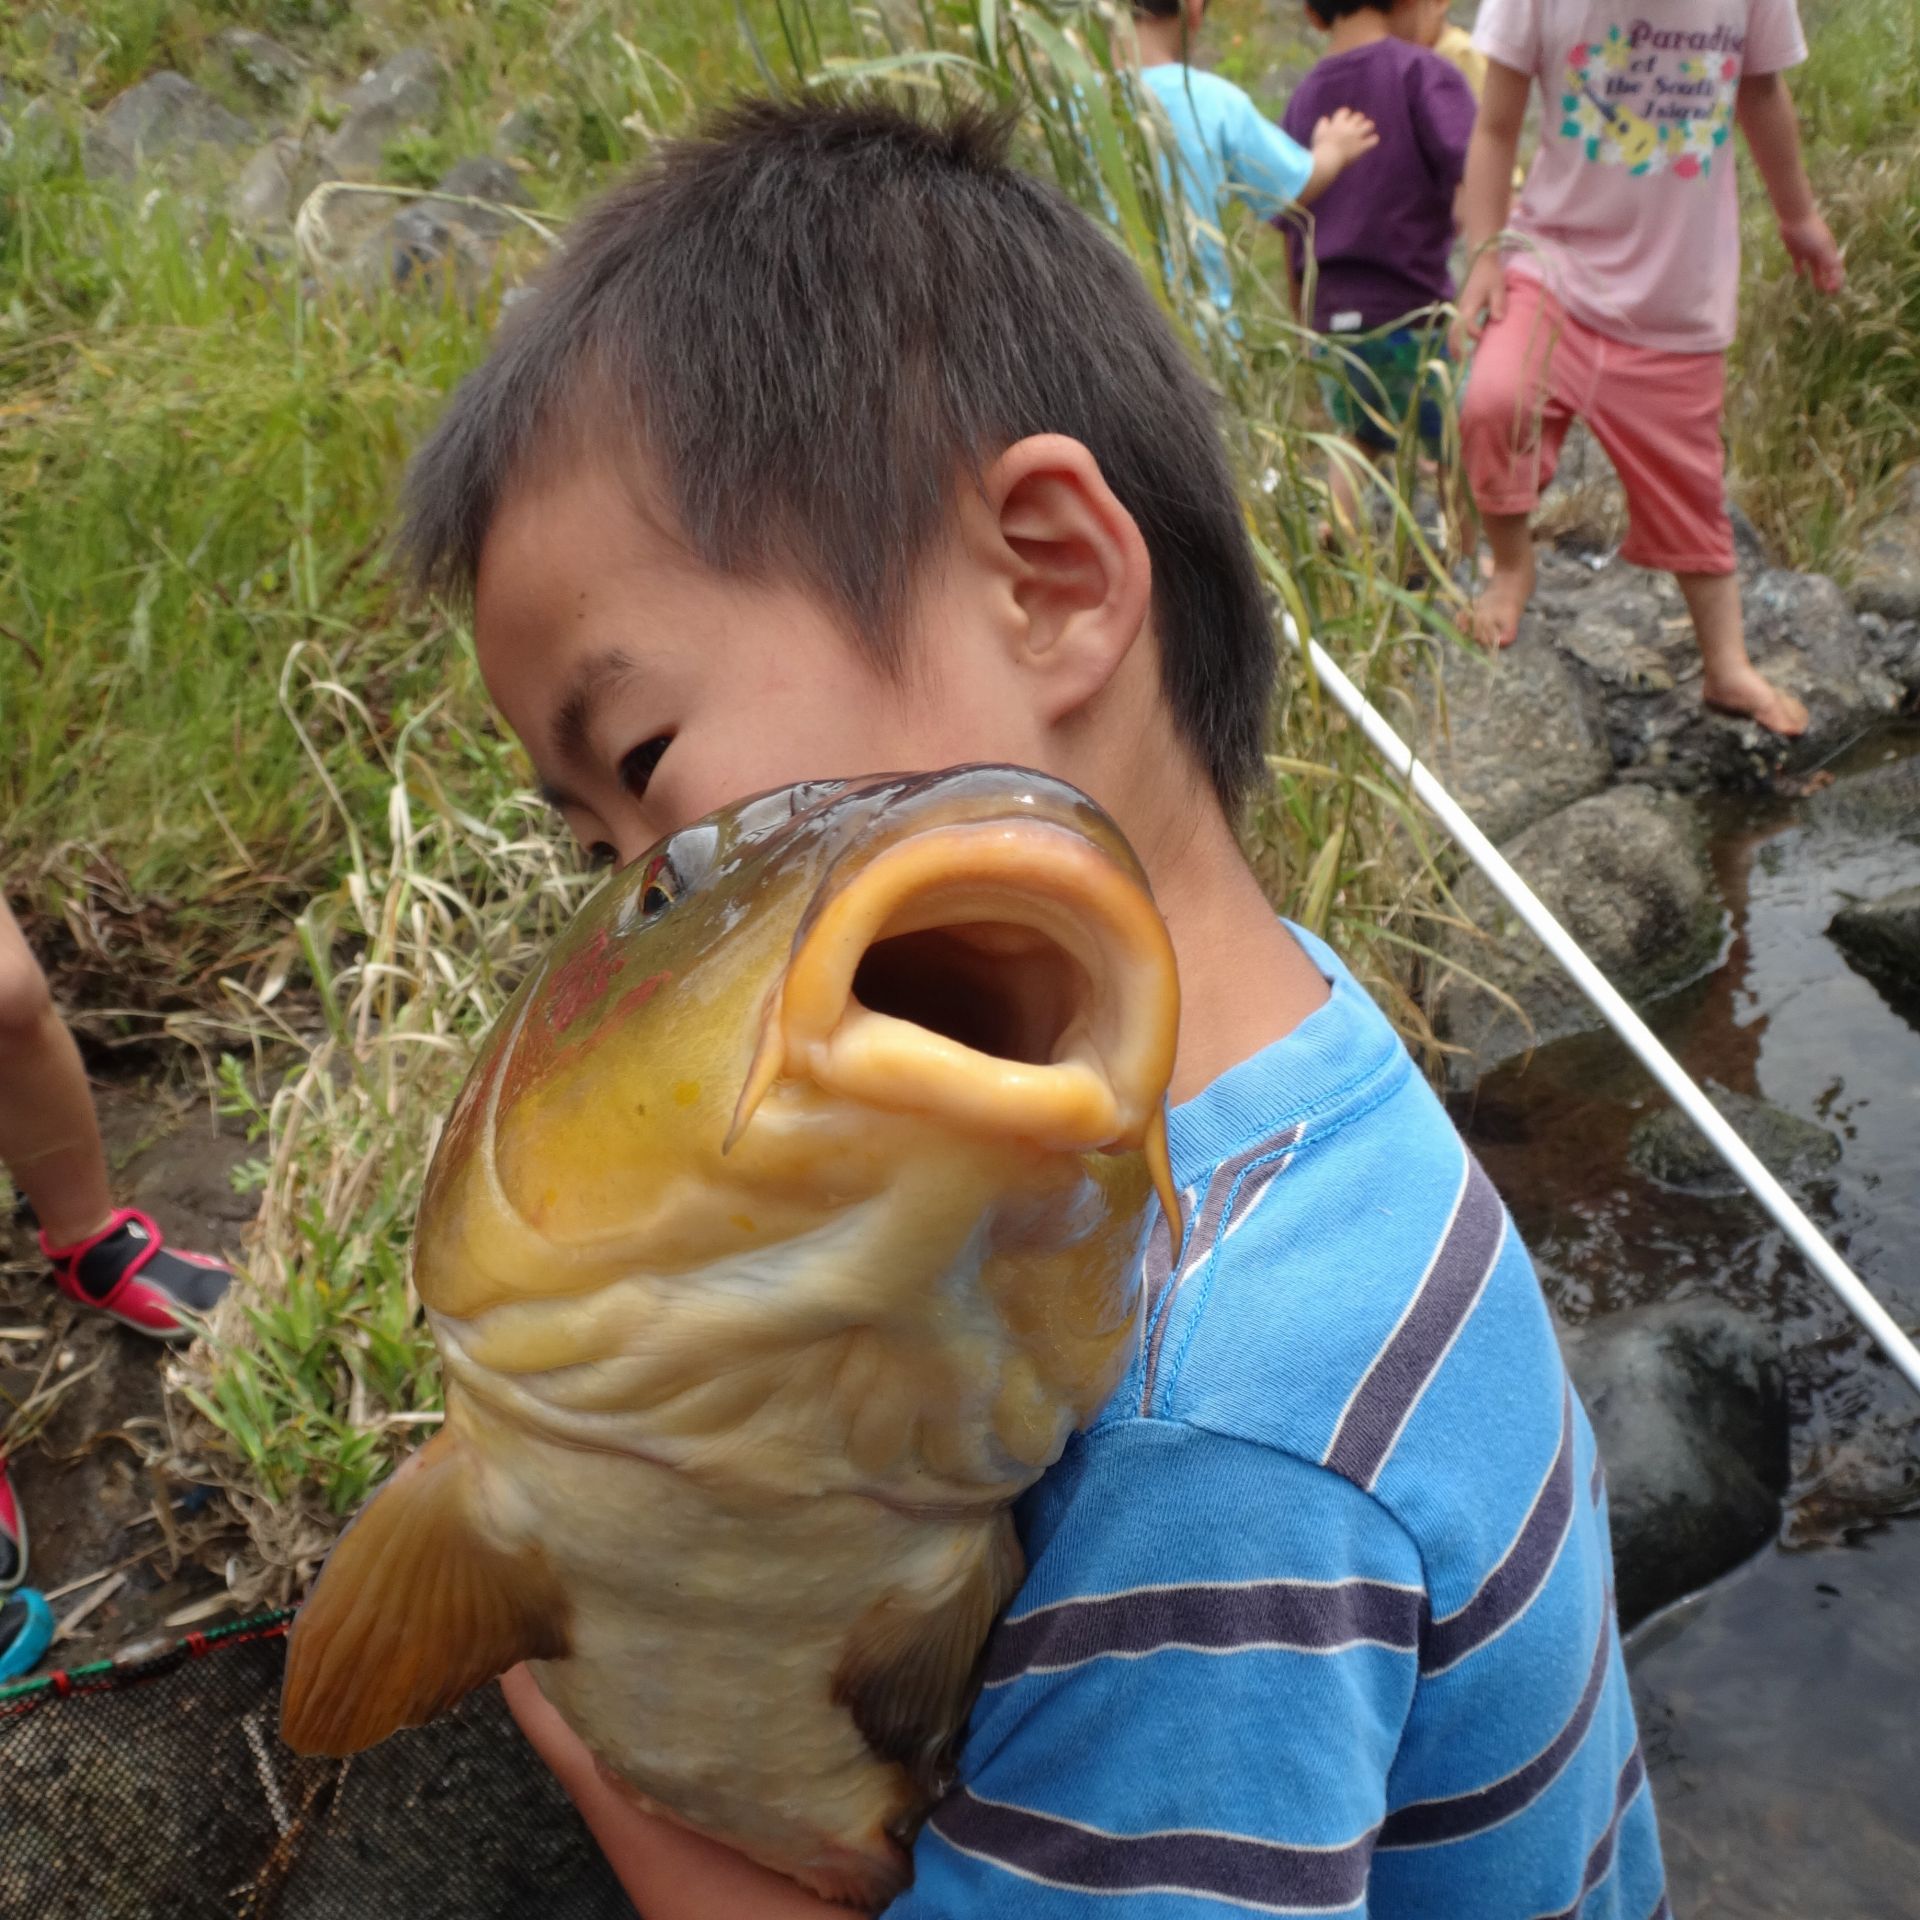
(154, 1786)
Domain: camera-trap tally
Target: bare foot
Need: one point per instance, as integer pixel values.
(1494, 617)
(1752, 696)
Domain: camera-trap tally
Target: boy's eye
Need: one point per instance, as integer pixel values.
(636, 766)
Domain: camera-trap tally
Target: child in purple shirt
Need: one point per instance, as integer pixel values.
(1382, 231)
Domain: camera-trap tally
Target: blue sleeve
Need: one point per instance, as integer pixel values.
(1194, 1701)
(1265, 167)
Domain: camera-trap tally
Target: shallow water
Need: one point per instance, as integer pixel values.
(1778, 1714)
(1780, 1708)
(1782, 1016)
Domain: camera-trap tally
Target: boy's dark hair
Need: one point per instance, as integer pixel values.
(815, 318)
(1332, 10)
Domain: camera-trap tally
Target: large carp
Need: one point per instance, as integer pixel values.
(784, 1230)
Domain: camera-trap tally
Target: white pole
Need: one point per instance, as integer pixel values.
(1625, 1022)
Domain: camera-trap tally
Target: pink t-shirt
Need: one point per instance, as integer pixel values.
(1629, 213)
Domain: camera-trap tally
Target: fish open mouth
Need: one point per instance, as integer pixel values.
(1008, 977)
(992, 986)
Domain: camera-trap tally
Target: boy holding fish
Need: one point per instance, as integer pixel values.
(834, 445)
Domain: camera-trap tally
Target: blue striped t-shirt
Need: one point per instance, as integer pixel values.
(1318, 1616)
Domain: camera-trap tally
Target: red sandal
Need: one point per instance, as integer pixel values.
(127, 1271)
(13, 1533)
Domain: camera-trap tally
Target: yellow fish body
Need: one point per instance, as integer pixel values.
(781, 1235)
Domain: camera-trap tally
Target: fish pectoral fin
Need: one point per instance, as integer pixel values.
(414, 1607)
(910, 1666)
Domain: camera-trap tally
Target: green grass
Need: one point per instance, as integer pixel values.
(1824, 398)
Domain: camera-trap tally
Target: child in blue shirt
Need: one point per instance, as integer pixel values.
(1228, 147)
(833, 444)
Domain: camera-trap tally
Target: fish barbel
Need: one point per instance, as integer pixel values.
(785, 1228)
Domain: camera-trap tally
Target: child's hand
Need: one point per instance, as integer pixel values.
(1482, 300)
(1343, 136)
(1814, 253)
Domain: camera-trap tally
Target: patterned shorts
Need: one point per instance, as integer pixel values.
(1372, 382)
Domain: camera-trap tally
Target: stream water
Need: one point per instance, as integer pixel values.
(1779, 1705)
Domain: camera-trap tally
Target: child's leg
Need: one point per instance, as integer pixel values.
(1513, 418)
(1658, 417)
(49, 1139)
(1731, 683)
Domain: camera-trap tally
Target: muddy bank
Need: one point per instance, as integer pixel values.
(92, 1498)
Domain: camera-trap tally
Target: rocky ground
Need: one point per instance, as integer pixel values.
(263, 166)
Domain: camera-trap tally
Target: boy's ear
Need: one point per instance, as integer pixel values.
(1076, 566)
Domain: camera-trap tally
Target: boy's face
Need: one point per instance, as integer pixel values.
(601, 636)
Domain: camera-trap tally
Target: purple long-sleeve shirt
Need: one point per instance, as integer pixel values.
(1382, 231)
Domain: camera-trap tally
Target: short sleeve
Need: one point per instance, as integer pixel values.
(1774, 38)
(1265, 167)
(1443, 112)
(1510, 31)
(1194, 1703)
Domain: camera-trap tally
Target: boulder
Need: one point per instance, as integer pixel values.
(164, 118)
(1518, 736)
(267, 67)
(423, 243)
(1628, 635)
(1625, 872)
(263, 195)
(1689, 1409)
(1886, 576)
(1883, 804)
(1882, 939)
(399, 96)
(1669, 1148)
(480, 177)
(1896, 647)
(47, 135)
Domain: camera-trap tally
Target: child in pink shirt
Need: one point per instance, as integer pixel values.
(1612, 297)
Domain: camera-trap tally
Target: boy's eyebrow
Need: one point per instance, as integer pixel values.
(573, 720)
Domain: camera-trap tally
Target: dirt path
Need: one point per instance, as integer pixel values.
(90, 1503)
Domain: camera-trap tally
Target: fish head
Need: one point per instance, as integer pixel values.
(918, 1025)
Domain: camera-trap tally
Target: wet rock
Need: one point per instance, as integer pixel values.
(1895, 645)
(1886, 577)
(1687, 1404)
(263, 195)
(270, 69)
(1669, 1148)
(400, 95)
(1628, 635)
(1882, 939)
(1883, 803)
(1521, 735)
(164, 118)
(484, 178)
(1625, 872)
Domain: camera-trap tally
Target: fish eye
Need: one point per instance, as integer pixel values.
(637, 765)
(659, 886)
